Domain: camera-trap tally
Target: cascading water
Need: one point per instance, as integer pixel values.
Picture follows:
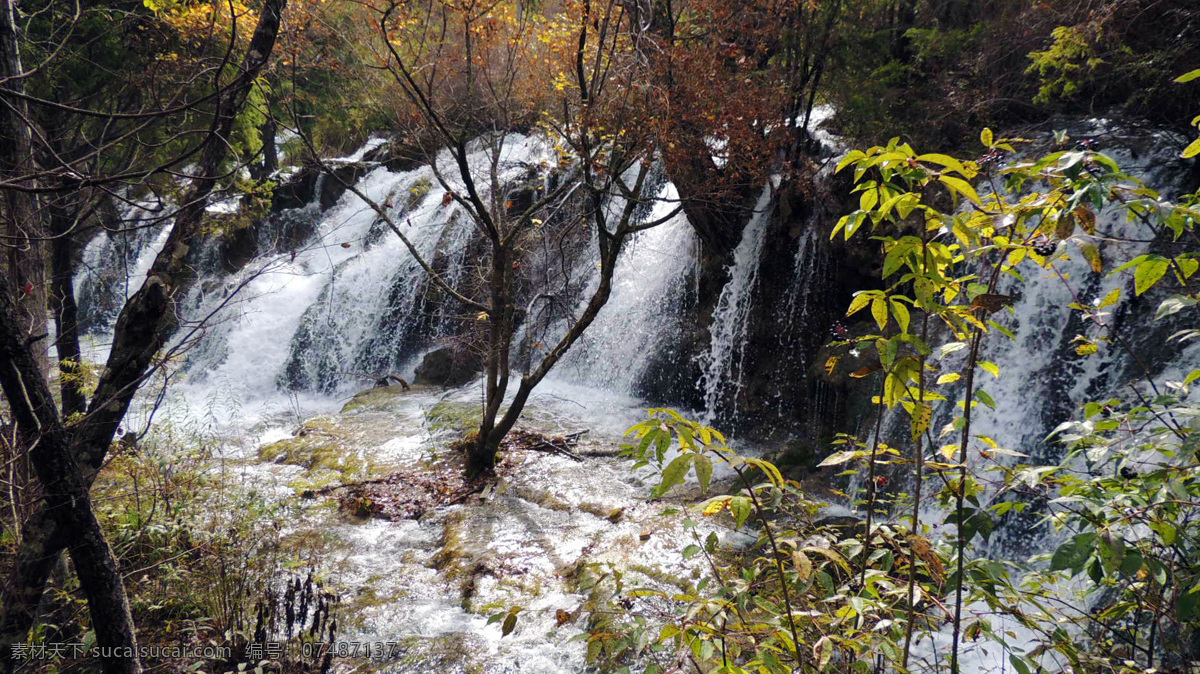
(650, 287)
(347, 302)
(114, 264)
(721, 366)
(1043, 381)
(352, 299)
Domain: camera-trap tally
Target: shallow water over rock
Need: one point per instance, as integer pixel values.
(536, 538)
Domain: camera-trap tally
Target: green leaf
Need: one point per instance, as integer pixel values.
(1173, 305)
(675, 471)
(1149, 272)
(947, 161)
(822, 652)
(510, 623)
(985, 398)
(960, 186)
(1092, 254)
(860, 301)
(850, 158)
(901, 313)
(838, 458)
(949, 378)
(1131, 264)
(880, 311)
(704, 470)
(1192, 376)
(922, 415)
(831, 555)
(768, 469)
(1073, 554)
(990, 367)
(868, 200)
(742, 508)
(1018, 664)
(949, 348)
(1166, 531)
(1191, 150)
(1188, 76)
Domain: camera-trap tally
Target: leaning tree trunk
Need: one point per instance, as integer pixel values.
(481, 458)
(67, 460)
(66, 493)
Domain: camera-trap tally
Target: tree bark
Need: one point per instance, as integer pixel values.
(23, 235)
(63, 307)
(66, 492)
(481, 458)
(67, 459)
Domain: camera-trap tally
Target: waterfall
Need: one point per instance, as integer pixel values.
(114, 265)
(349, 300)
(721, 365)
(350, 297)
(649, 290)
(1043, 381)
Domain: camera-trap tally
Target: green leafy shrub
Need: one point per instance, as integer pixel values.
(1066, 68)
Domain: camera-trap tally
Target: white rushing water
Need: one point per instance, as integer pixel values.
(351, 299)
(1043, 382)
(721, 366)
(650, 286)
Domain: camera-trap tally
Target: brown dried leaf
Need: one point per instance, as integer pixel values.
(992, 302)
(922, 548)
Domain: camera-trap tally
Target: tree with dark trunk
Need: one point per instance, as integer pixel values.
(744, 94)
(471, 73)
(68, 447)
(23, 261)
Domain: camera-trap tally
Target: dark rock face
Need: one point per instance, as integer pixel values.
(447, 367)
(805, 282)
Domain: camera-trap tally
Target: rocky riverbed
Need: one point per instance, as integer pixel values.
(421, 559)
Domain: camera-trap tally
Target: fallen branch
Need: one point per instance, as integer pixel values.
(536, 442)
(312, 493)
(380, 380)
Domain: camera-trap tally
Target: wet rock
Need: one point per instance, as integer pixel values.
(307, 187)
(376, 399)
(447, 367)
(318, 447)
(452, 415)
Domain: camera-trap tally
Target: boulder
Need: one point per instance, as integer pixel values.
(447, 367)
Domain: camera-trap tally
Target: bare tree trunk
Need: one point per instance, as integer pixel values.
(63, 307)
(482, 457)
(66, 493)
(25, 264)
(67, 461)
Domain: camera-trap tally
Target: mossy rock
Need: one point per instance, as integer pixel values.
(317, 447)
(609, 513)
(418, 191)
(452, 652)
(454, 416)
(377, 399)
(453, 560)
